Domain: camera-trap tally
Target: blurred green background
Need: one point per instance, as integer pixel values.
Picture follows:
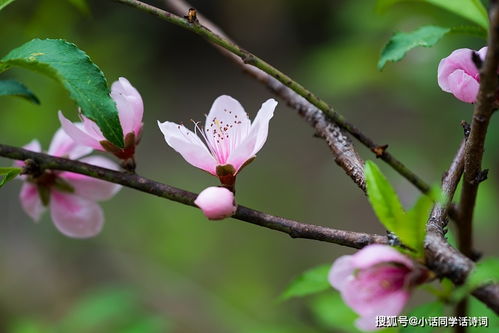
(159, 266)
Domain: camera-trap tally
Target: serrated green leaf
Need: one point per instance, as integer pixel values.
(7, 174)
(4, 3)
(401, 42)
(427, 36)
(310, 282)
(472, 10)
(383, 198)
(73, 68)
(15, 88)
(432, 309)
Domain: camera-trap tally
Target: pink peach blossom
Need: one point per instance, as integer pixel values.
(130, 112)
(216, 203)
(458, 74)
(376, 281)
(71, 197)
(229, 139)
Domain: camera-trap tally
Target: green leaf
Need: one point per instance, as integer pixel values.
(472, 10)
(4, 3)
(330, 310)
(7, 174)
(478, 309)
(14, 88)
(432, 309)
(485, 271)
(73, 68)
(383, 198)
(409, 227)
(310, 282)
(401, 42)
(413, 231)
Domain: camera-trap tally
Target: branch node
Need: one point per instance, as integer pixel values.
(379, 150)
(32, 168)
(248, 58)
(481, 176)
(191, 16)
(466, 127)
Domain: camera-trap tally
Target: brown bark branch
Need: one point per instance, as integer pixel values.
(484, 108)
(340, 145)
(444, 259)
(441, 257)
(293, 228)
(253, 60)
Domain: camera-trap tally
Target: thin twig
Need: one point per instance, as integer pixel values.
(251, 59)
(340, 145)
(439, 252)
(442, 258)
(293, 228)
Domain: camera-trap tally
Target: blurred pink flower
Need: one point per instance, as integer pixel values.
(458, 74)
(130, 112)
(71, 197)
(376, 281)
(216, 203)
(230, 140)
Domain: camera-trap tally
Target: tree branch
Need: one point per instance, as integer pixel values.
(251, 59)
(484, 108)
(442, 258)
(293, 228)
(340, 145)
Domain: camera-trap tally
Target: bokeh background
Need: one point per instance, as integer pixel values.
(159, 266)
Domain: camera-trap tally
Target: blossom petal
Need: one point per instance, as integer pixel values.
(30, 201)
(391, 305)
(464, 87)
(482, 52)
(341, 272)
(75, 216)
(91, 188)
(376, 254)
(459, 59)
(378, 291)
(216, 203)
(34, 146)
(227, 116)
(256, 137)
(91, 128)
(77, 134)
(63, 145)
(129, 104)
(189, 145)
